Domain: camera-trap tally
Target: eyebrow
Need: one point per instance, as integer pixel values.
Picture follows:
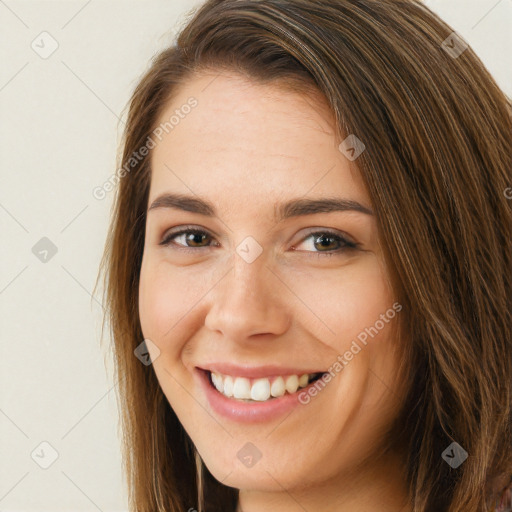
(292, 208)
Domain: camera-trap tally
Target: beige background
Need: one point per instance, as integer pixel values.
(59, 129)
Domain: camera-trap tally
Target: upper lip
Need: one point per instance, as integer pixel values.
(255, 372)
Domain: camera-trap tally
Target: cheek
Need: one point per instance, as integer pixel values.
(348, 302)
(169, 299)
(160, 300)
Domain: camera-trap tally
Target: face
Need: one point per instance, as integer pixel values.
(256, 277)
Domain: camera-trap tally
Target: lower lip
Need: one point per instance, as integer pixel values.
(248, 412)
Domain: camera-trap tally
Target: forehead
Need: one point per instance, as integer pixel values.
(264, 138)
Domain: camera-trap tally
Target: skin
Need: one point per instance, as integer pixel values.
(245, 148)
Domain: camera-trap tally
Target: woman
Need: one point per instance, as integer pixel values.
(310, 255)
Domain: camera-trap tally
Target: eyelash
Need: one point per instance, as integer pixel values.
(347, 245)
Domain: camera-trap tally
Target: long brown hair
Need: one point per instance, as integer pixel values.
(437, 165)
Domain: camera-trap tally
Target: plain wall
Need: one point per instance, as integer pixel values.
(59, 131)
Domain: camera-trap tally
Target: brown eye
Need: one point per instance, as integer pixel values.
(329, 243)
(192, 238)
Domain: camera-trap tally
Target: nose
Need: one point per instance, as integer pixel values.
(249, 300)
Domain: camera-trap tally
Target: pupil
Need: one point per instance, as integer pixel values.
(328, 238)
(193, 236)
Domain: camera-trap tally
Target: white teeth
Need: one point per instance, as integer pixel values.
(242, 388)
(277, 388)
(292, 383)
(303, 381)
(218, 383)
(261, 389)
(228, 386)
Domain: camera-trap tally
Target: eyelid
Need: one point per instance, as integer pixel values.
(180, 230)
(330, 231)
(348, 243)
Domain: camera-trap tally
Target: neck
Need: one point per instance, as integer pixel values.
(381, 486)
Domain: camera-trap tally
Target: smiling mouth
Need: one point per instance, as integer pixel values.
(260, 390)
